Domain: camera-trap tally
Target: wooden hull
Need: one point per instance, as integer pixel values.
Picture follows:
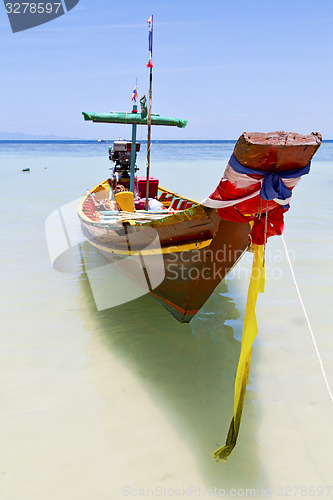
(181, 258)
(192, 276)
(195, 248)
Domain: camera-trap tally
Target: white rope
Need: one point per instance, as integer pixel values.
(209, 202)
(308, 322)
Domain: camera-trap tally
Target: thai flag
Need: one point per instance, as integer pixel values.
(134, 94)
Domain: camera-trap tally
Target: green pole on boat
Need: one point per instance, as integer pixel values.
(133, 151)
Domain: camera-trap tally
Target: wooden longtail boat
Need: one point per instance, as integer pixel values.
(199, 244)
(185, 248)
(179, 250)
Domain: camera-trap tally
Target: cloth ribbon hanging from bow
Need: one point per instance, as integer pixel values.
(267, 224)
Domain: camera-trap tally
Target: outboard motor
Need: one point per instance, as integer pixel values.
(121, 156)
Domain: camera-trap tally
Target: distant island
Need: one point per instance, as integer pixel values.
(20, 136)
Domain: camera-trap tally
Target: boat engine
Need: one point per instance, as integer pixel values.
(121, 156)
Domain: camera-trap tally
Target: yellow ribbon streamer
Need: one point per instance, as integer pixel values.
(250, 330)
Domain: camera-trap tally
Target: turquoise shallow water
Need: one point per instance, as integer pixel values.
(103, 404)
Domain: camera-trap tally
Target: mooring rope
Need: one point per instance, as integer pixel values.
(308, 322)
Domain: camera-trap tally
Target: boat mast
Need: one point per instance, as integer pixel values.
(150, 66)
(133, 145)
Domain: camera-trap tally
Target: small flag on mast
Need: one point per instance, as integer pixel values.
(134, 94)
(150, 42)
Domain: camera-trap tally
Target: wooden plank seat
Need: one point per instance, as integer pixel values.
(182, 205)
(175, 202)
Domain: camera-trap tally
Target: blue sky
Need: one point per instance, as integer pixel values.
(225, 66)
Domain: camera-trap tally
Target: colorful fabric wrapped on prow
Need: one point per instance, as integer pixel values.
(246, 193)
(259, 194)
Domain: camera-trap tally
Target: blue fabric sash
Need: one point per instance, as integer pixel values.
(272, 186)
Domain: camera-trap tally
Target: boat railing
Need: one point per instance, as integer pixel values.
(172, 203)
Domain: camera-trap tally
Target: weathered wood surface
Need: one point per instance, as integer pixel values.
(190, 276)
(276, 151)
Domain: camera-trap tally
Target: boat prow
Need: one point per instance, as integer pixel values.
(196, 244)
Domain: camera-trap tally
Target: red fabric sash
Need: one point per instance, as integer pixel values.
(275, 221)
(256, 207)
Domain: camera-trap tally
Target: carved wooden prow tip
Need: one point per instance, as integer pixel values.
(276, 151)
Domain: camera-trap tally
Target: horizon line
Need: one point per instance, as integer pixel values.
(129, 140)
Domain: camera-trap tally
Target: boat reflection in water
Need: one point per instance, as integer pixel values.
(187, 370)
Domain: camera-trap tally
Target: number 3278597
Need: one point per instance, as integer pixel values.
(33, 8)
